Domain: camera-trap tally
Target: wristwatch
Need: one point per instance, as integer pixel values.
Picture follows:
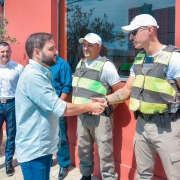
(107, 101)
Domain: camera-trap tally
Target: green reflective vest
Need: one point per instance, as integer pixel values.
(86, 82)
(151, 91)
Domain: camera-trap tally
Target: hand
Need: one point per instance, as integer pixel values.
(100, 100)
(97, 108)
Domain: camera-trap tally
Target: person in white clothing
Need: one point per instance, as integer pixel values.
(95, 76)
(10, 72)
(153, 88)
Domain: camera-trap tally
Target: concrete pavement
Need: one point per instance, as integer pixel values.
(73, 174)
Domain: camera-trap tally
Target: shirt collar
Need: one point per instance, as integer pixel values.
(157, 52)
(8, 64)
(40, 67)
(90, 62)
(96, 58)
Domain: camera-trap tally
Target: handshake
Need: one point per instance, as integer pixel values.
(99, 106)
(96, 107)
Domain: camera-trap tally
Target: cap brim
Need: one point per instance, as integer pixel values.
(81, 40)
(129, 28)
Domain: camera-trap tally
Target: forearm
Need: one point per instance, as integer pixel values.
(119, 96)
(75, 109)
(122, 94)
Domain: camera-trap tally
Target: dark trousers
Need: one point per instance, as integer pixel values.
(7, 114)
(63, 154)
(1, 136)
(38, 168)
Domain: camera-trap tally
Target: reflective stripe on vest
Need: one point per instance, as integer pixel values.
(151, 91)
(86, 82)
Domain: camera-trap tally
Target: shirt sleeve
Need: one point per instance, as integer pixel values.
(21, 69)
(173, 70)
(132, 71)
(109, 74)
(40, 91)
(65, 76)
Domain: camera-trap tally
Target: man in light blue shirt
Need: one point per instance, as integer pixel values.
(38, 109)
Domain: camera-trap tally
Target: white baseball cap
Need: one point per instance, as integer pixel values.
(138, 21)
(91, 38)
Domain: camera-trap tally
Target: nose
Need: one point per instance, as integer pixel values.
(85, 47)
(131, 37)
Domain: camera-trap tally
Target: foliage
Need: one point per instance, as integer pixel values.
(3, 33)
(121, 39)
(81, 23)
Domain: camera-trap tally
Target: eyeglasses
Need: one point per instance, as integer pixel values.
(134, 32)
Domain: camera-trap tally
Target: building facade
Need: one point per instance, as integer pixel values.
(28, 16)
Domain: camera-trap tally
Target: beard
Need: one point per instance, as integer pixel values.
(48, 60)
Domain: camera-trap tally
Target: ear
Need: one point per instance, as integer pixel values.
(36, 52)
(150, 29)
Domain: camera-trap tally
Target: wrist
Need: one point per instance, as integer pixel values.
(107, 101)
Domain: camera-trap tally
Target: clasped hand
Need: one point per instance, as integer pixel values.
(101, 105)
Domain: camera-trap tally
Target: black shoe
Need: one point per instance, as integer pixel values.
(86, 178)
(9, 169)
(63, 173)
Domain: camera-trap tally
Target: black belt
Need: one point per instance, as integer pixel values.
(4, 101)
(161, 120)
(151, 117)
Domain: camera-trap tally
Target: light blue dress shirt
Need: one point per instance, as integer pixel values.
(38, 109)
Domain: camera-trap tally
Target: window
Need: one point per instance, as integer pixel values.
(106, 18)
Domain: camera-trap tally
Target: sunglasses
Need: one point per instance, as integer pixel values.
(134, 32)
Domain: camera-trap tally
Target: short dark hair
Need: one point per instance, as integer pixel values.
(36, 40)
(3, 43)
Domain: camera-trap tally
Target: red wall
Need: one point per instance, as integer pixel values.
(63, 35)
(26, 17)
(1, 9)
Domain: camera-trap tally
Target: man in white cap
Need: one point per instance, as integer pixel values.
(95, 76)
(153, 87)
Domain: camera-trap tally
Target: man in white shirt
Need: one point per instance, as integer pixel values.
(10, 72)
(153, 87)
(95, 76)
